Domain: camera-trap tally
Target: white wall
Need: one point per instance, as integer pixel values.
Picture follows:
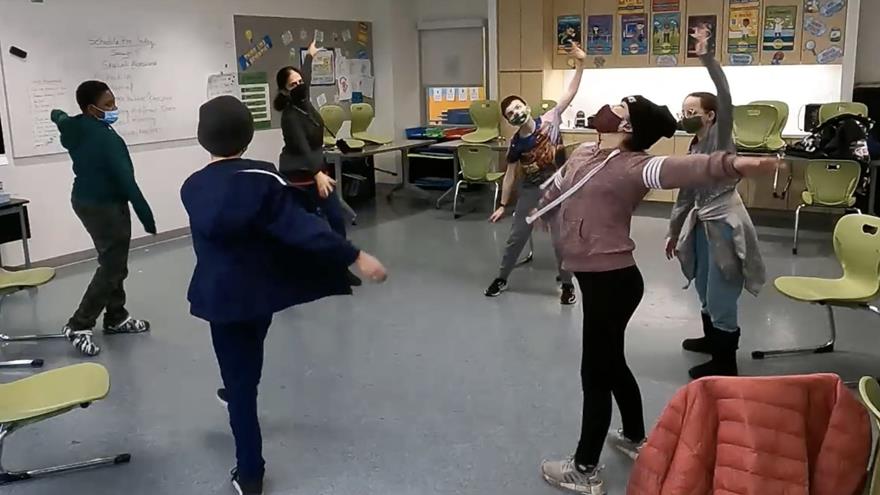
(433, 10)
(161, 168)
(868, 57)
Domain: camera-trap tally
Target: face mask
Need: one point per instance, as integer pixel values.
(298, 93)
(109, 116)
(519, 118)
(692, 124)
(605, 120)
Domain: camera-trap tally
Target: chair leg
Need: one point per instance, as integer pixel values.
(822, 349)
(797, 224)
(13, 476)
(21, 363)
(30, 338)
(455, 199)
(497, 193)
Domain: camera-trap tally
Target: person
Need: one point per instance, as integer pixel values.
(534, 154)
(593, 199)
(302, 158)
(103, 186)
(260, 247)
(710, 230)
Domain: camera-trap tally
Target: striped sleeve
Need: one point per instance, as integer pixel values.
(651, 172)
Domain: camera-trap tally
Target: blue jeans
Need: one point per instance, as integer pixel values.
(718, 295)
(332, 210)
(239, 349)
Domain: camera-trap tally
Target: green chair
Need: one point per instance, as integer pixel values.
(334, 117)
(781, 115)
(46, 395)
(487, 117)
(830, 184)
(756, 128)
(361, 117)
(476, 168)
(857, 247)
(830, 110)
(869, 390)
(11, 282)
(547, 105)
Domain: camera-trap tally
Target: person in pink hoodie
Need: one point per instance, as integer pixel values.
(593, 198)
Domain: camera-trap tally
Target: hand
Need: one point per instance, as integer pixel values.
(671, 252)
(370, 267)
(749, 166)
(577, 52)
(497, 215)
(313, 48)
(701, 34)
(324, 184)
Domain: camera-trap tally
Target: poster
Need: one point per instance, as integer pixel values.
(475, 94)
(360, 68)
(450, 94)
(628, 6)
(223, 84)
(364, 85)
(634, 34)
(437, 94)
(344, 86)
(709, 22)
(779, 25)
(665, 6)
(256, 96)
(363, 36)
(323, 67)
(742, 31)
(667, 33)
(287, 37)
(568, 31)
(321, 100)
(462, 94)
(600, 34)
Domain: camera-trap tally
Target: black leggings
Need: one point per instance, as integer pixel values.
(609, 300)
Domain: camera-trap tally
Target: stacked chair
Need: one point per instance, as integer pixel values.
(11, 282)
(334, 117)
(757, 127)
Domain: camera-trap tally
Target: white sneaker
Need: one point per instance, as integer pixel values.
(628, 447)
(82, 341)
(566, 474)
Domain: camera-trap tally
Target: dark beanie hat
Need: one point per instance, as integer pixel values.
(226, 126)
(649, 122)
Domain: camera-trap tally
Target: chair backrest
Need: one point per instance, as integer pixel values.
(832, 182)
(869, 390)
(361, 117)
(547, 105)
(475, 161)
(753, 125)
(782, 113)
(333, 116)
(857, 246)
(485, 114)
(830, 110)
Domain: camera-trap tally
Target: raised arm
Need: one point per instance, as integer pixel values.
(724, 115)
(578, 55)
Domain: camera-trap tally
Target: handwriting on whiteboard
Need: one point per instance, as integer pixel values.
(46, 95)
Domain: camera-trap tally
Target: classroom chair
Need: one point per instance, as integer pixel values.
(830, 110)
(11, 282)
(756, 129)
(361, 117)
(547, 105)
(46, 395)
(476, 168)
(333, 117)
(830, 184)
(782, 113)
(869, 390)
(857, 247)
(487, 117)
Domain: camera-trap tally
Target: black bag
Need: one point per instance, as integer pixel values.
(841, 138)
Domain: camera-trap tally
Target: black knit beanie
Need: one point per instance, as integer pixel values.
(649, 122)
(226, 126)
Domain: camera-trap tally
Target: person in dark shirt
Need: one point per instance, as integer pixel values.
(103, 186)
(302, 158)
(260, 247)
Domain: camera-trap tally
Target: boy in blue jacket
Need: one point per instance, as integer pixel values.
(261, 246)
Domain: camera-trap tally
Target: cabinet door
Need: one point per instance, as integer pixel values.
(532, 87)
(532, 35)
(509, 35)
(509, 83)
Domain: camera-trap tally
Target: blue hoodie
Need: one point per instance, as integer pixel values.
(260, 245)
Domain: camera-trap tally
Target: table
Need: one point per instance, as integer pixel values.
(17, 207)
(499, 144)
(872, 195)
(403, 146)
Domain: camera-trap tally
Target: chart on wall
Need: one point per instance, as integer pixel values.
(743, 32)
(824, 31)
(342, 71)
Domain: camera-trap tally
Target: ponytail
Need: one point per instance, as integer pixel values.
(282, 100)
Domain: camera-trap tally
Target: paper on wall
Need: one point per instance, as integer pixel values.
(362, 68)
(287, 37)
(366, 86)
(346, 35)
(319, 36)
(344, 85)
(450, 94)
(321, 100)
(437, 94)
(303, 35)
(475, 94)
(223, 84)
(461, 94)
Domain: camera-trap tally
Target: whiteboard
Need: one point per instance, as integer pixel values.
(156, 64)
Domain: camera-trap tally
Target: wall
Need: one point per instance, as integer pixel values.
(161, 168)
(433, 10)
(867, 58)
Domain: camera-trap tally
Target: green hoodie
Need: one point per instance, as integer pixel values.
(101, 165)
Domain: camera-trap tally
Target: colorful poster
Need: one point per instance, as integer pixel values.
(709, 22)
(363, 36)
(323, 67)
(568, 31)
(667, 33)
(628, 6)
(779, 25)
(665, 6)
(475, 94)
(600, 34)
(742, 31)
(344, 85)
(634, 34)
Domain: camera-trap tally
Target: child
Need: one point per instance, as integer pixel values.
(260, 248)
(103, 187)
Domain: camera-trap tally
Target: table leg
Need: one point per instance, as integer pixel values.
(872, 196)
(455, 169)
(404, 173)
(24, 237)
(337, 168)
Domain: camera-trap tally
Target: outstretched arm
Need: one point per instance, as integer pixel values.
(579, 55)
(703, 170)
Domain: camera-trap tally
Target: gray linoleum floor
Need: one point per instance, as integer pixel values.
(418, 386)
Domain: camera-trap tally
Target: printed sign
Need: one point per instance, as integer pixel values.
(634, 34)
(666, 30)
(600, 40)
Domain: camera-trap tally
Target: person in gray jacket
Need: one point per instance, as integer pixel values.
(710, 230)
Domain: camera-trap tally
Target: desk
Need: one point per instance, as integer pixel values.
(17, 207)
(499, 144)
(403, 147)
(872, 195)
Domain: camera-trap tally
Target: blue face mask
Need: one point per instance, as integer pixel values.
(110, 116)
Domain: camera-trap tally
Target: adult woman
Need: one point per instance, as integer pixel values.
(302, 158)
(711, 232)
(594, 202)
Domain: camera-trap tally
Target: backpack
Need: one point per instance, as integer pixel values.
(842, 138)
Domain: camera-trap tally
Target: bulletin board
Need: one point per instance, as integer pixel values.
(824, 31)
(343, 72)
(442, 99)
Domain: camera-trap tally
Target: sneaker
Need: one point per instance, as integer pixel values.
(242, 488)
(629, 447)
(498, 286)
(353, 280)
(569, 296)
(81, 340)
(129, 325)
(222, 397)
(569, 476)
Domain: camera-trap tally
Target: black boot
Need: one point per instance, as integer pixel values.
(723, 363)
(702, 344)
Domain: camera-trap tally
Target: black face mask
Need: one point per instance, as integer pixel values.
(298, 94)
(691, 124)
